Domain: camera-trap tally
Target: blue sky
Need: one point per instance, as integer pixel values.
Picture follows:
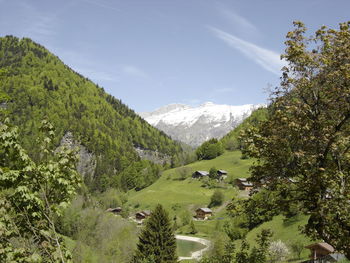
(151, 53)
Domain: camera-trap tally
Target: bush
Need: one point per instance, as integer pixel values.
(278, 251)
(216, 199)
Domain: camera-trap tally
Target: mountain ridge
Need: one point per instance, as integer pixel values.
(194, 125)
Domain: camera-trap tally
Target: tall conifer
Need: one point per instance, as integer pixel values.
(157, 240)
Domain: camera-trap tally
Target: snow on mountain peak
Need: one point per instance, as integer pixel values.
(212, 119)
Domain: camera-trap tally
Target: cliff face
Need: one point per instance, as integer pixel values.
(86, 164)
(153, 156)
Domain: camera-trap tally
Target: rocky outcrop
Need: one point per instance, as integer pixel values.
(86, 164)
(153, 156)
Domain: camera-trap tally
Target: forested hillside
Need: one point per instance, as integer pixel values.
(231, 140)
(36, 85)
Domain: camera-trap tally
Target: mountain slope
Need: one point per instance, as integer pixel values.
(40, 86)
(194, 125)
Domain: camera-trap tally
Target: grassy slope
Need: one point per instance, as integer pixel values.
(285, 230)
(170, 191)
(176, 196)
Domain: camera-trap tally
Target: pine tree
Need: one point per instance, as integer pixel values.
(157, 239)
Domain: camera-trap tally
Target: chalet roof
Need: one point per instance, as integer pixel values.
(322, 245)
(222, 172)
(205, 210)
(146, 212)
(117, 209)
(246, 184)
(203, 173)
(242, 179)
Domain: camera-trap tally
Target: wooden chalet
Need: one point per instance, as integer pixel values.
(320, 250)
(200, 174)
(244, 184)
(203, 213)
(116, 210)
(142, 215)
(222, 174)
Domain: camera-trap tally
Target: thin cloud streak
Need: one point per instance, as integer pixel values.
(266, 58)
(100, 4)
(238, 21)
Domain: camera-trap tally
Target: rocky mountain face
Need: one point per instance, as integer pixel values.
(194, 125)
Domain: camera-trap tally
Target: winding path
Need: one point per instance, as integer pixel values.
(196, 254)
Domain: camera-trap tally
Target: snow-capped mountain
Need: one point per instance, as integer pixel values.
(194, 125)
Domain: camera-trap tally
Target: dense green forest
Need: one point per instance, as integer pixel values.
(35, 85)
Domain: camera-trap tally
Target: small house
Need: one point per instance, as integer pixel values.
(203, 213)
(200, 174)
(222, 174)
(244, 184)
(320, 250)
(142, 215)
(116, 210)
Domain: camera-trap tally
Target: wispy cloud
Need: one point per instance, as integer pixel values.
(239, 22)
(134, 71)
(101, 4)
(268, 59)
(38, 25)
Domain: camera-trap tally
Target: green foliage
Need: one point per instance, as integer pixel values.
(213, 173)
(99, 236)
(157, 239)
(297, 247)
(232, 141)
(217, 198)
(306, 137)
(243, 255)
(209, 150)
(193, 229)
(40, 85)
(32, 195)
(183, 172)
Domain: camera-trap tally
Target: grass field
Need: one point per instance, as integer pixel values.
(286, 230)
(175, 194)
(178, 196)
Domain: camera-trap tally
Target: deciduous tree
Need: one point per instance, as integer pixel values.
(303, 149)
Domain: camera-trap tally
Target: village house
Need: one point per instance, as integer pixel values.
(200, 174)
(203, 213)
(116, 210)
(244, 184)
(323, 253)
(222, 174)
(140, 216)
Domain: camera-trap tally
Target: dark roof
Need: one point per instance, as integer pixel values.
(246, 184)
(205, 210)
(203, 173)
(323, 245)
(222, 172)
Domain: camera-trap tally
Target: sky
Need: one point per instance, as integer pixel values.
(150, 53)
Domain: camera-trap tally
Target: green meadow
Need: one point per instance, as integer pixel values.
(184, 196)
